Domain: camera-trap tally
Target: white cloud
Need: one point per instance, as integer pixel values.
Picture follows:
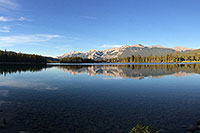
(26, 39)
(23, 19)
(89, 17)
(63, 47)
(6, 5)
(6, 19)
(10, 3)
(5, 29)
(110, 46)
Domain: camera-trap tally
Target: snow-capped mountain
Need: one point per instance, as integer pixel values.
(182, 49)
(125, 51)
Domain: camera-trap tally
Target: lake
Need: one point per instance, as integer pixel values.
(98, 97)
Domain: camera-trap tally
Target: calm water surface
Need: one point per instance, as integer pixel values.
(98, 98)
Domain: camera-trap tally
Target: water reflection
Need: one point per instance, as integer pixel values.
(82, 103)
(115, 71)
(27, 83)
(15, 83)
(134, 71)
(9, 69)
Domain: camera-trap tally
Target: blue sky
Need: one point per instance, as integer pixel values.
(55, 27)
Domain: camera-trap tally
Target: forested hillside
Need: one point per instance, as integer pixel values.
(193, 52)
(76, 60)
(8, 57)
(178, 57)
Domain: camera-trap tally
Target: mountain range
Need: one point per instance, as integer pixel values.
(127, 50)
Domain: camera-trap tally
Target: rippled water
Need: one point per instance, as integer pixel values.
(98, 98)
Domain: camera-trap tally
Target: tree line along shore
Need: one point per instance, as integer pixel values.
(8, 57)
(168, 58)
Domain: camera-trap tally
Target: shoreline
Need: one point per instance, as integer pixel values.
(130, 63)
(171, 63)
(21, 63)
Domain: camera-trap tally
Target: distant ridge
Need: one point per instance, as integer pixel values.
(156, 46)
(182, 49)
(127, 50)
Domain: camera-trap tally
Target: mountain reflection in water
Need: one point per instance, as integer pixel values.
(134, 71)
(88, 98)
(122, 71)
